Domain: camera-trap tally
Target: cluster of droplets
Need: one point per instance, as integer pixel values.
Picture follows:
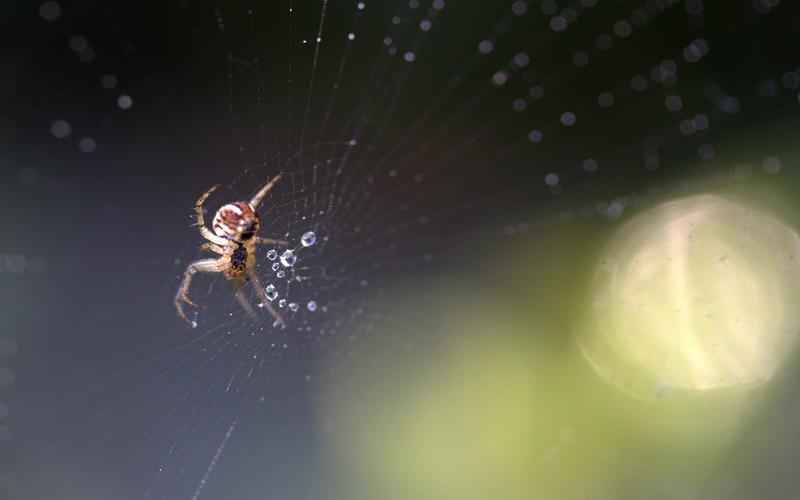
(308, 239)
(292, 306)
(286, 261)
(288, 258)
(51, 12)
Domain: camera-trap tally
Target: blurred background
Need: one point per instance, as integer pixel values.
(540, 249)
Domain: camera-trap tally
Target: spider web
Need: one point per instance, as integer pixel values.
(401, 129)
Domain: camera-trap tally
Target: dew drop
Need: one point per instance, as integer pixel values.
(60, 129)
(271, 292)
(50, 11)
(590, 165)
(485, 47)
(521, 59)
(109, 81)
(276, 266)
(568, 119)
(615, 209)
(605, 100)
(293, 306)
(78, 43)
(87, 145)
(124, 102)
(282, 303)
(272, 254)
(558, 23)
(311, 306)
(288, 258)
(500, 78)
(308, 239)
(281, 274)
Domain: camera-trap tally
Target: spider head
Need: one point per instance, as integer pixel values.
(236, 221)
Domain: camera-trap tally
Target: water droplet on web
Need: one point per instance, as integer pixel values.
(580, 59)
(281, 274)
(673, 103)
(558, 23)
(271, 292)
(308, 239)
(50, 11)
(485, 47)
(293, 306)
(276, 266)
(288, 258)
(87, 145)
(272, 254)
(60, 129)
(521, 60)
(535, 136)
(311, 306)
(500, 78)
(78, 43)
(568, 119)
(124, 102)
(108, 81)
(551, 179)
(282, 303)
(615, 209)
(706, 152)
(639, 83)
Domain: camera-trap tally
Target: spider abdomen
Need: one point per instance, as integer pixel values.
(238, 265)
(236, 221)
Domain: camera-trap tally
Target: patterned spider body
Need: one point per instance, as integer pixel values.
(238, 262)
(236, 221)
(233, 237)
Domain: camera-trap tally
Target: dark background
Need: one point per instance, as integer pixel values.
(104, 390)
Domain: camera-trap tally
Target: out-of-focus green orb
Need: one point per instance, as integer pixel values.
(698, 293)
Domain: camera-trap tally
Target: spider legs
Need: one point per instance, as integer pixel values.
(182, 297)
(201, 223)
(262, 295)
(259, 196)
(270, 241)
(241, 298)
(212, 247)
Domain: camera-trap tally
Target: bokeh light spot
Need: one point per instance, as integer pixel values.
(697, 294)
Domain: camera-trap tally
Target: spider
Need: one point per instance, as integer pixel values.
(234, 239)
